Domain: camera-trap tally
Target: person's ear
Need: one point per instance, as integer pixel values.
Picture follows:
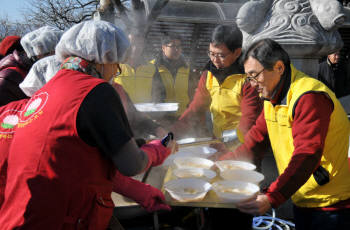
(279, 67)
(163, 48)
(99, 68)
(237, 52)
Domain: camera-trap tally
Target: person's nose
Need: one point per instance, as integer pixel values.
(254, 84)
(216, 59)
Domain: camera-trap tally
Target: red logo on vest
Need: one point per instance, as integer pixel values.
(33, 109)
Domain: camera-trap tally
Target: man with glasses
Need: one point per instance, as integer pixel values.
(223, 89)
(233, 102)
(309, 134)
(171, 81)
(164, 79)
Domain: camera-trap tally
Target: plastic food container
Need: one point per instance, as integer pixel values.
(187, 189)
(234, 191)
(242, 175)
(234, 165)
(205, 174)
(193, 162)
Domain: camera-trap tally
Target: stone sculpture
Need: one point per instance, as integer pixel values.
(303, 27)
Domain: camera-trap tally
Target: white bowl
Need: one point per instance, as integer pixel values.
(242, 175)
(170, 159)
(193, 162)
(187, 189)
(234, 191)
(198, 151)
(205, 174)
(233, 165)
(190, 151)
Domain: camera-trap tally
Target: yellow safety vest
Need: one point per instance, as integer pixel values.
(137, 82)
(279, 121)
(176, 90)
(225, 104)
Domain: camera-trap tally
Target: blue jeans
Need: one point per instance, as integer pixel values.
(310, 219)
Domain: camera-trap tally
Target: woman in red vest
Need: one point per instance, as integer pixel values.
(150, 198)
(8, 123)
(75, 134)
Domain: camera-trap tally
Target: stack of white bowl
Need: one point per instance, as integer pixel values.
(240, 181)
(193, 175)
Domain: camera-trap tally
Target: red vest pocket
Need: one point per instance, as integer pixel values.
(94, 215)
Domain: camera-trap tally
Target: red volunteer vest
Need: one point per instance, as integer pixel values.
(8, 122)
(56, 180)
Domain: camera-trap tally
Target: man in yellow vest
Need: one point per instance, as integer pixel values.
(232, 101)
(309, 134)
(164, 79)
(223, 89)
(172, 75)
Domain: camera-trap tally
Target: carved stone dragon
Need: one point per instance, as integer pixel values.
(304, 27)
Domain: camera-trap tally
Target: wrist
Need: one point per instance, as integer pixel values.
(275, 199)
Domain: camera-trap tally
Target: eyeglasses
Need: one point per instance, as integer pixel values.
(255, 78)
(213, 55)
(174, 46)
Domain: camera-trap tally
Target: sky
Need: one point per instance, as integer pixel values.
(13, 9)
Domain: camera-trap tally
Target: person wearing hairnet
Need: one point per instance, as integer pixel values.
(75, 134)
(41, 42)
(151, 198)
(14, 67)
(43, 70)
(39, 74)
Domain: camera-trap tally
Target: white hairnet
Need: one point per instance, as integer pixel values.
(40, 73)
(96, 41)
(41, 41)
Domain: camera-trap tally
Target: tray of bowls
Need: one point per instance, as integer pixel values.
(193, 180)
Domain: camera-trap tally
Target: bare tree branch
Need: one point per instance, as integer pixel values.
(8, 28)
(60, 13)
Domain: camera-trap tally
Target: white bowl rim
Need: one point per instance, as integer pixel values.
(247, 165)
(234, 197)
(183, 197)
(205, 161)
(258, 176)
(208, 173)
